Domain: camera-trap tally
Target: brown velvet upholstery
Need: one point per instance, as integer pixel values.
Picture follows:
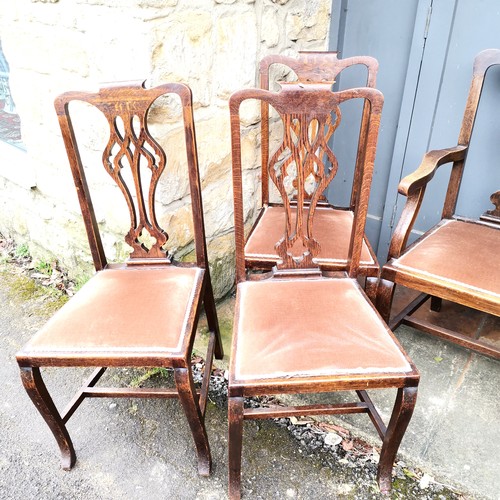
(101, 320)
(296, 328)
(461, 253)
(332, 228)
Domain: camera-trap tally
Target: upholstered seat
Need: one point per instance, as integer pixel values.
(332, 227)
(102, 320)
(461, 254)
(310, 328)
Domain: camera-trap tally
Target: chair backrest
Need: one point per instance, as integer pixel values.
(131, 146)
(309, 113)
(482, 62)
(310, 67)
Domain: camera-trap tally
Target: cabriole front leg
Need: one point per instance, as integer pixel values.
(189, 401)
(37, 391)
(401, 415)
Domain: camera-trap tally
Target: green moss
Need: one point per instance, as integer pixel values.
(22, 288)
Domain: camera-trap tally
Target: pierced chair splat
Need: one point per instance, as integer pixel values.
(301, 329)
(457, 260)
(333, 223)
(142, 312)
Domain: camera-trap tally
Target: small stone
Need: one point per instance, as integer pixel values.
(112, 406)
(332, 439)
(291, 493)
(425, 481)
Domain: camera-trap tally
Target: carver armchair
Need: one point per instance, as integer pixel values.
(142, 312)
(456, 260)
(333, 223)
(300, 328)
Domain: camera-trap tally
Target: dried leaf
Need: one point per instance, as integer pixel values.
(347, 445)
(334, 428)
(409, 473)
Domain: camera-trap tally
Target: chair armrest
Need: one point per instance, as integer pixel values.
(426, 170)
(413, 187)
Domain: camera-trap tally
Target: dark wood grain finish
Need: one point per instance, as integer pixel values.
(301, 105)
(143, 312)
(266, 333)
(473, 246)
(322, 68)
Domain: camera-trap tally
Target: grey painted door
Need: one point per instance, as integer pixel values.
(425, 49)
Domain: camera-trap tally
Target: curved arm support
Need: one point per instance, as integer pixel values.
(413, 187)
(426, 170)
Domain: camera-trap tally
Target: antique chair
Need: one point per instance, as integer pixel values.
(332, 223)
(458, 259)
(302, 329)
(142, 312)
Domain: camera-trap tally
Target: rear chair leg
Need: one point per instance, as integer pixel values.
(235, 417)
(436, 303)
(213, 323)
(401, 415)
(37, 391)
(189, 401)
(385, 294)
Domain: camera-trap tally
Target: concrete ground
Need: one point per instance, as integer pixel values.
(138, 449)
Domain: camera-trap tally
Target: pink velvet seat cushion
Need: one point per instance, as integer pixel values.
(332, 228)
(288, 328)
(460, 253)
(122, 311)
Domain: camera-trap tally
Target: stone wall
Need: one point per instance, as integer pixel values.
(212, 45)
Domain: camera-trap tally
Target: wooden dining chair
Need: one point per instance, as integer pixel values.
(333, 223)
(303, 329)
(142, 312)
(457, 259)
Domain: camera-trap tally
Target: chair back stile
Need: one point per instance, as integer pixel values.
(306, 111)
(131, 145)
(483, 61)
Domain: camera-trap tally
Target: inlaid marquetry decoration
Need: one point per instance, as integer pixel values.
(304, 154)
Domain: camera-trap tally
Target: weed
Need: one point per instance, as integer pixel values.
(22, 251)
(44, 267)
(152, 372)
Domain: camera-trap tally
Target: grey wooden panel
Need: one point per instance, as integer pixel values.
(369, 28)
(457, 32)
